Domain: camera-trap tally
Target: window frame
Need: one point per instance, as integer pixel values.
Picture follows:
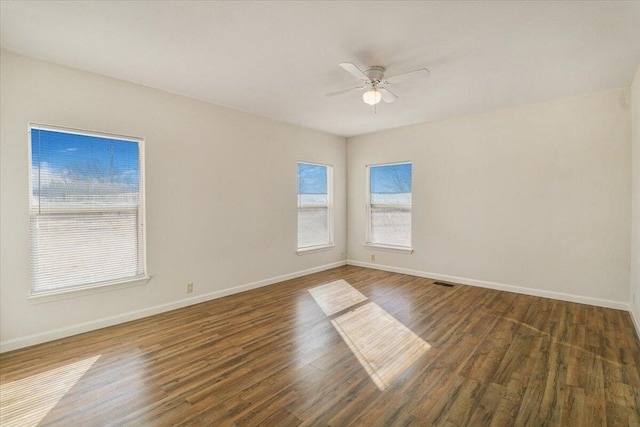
(90, 288)
(330, 211)
(368, 206)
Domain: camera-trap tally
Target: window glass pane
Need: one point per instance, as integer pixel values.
(314, 216)
(81, 171)
(390, 204)
(85, 210)
(390, 180)
(312, 185)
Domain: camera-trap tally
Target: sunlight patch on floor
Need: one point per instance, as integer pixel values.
(27, 401)
(384, 347)
(336, 296)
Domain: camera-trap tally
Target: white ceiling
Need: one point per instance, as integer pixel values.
(278, 59)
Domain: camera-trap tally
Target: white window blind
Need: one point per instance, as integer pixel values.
(389, 205)
(315, 226)
(86, 209)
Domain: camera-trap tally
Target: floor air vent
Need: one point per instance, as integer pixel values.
(446, 285)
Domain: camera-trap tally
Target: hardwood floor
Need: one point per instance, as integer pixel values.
(272, 357)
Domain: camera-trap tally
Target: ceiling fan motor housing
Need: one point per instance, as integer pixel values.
(375, 74)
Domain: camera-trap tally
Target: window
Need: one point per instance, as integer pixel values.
(315, 223)
(86, 210)
(389, 206)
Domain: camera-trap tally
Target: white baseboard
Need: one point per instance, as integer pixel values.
(619, 305)
(55, 334)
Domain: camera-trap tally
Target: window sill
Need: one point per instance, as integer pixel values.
(399, 249)
(56, 295)
(313, 249)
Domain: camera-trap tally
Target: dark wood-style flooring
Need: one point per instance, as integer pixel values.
(272, 357)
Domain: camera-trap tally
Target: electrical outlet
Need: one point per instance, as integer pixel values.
(373, 257)
(189, 287)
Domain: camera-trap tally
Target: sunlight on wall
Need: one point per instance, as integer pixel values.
(384, 347)
(27, 401)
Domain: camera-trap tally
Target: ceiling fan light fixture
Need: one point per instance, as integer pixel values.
(372, 96)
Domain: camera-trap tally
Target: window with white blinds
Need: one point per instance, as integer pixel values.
(389, 205)
(86, 209)
(315, 216)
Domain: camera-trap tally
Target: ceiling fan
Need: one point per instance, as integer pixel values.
(375, 83)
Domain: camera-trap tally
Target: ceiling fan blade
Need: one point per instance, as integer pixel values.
(357, 72)
(387, 95)
(340, 92)
(411, 75)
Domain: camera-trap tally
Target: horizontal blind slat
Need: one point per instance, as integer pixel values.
(72, 249)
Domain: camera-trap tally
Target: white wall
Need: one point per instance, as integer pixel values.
(220, 185)
(635, 216)
(533, 197)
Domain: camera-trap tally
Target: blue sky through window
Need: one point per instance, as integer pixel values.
(67, 157)
(312, 179)
(390, 179)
